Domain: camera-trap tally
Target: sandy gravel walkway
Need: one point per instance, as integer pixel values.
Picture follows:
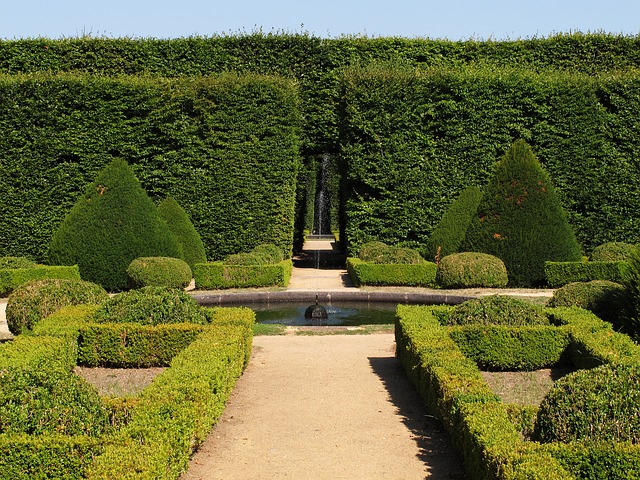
(325, 407)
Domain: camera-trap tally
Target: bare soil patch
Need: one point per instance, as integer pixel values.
(524, 388)
(119, 382)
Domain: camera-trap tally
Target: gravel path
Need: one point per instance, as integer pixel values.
(325, 407)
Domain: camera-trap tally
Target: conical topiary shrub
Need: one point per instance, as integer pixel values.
(181, 227)
(520, 219)
(110, 225)
(449, 234)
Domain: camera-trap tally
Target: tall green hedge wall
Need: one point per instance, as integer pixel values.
(413, 139)
(587, 114)
(226, 148)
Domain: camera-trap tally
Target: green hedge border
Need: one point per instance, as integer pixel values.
(217, 275)
(561, 273)
(169, 419)
(11, 278)
(418, 275)
(479, 424)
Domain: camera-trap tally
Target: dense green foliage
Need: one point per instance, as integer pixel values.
(512, 349)
(110, 225)
(631, 312)
(35, 402)
(421, 274)
(452, 387)
(497, 310)
(38, 299)
(11, 278)
(520, 219)
(561, 273)
(151, 306)
(215, 275)
(236, 139)
(159, 272)
(380, 253)
(471, 269)
(602, 297)
(16, 262)
(599, 405)
(448, 235)
(612, 252)
(263, 254)
(182, 228)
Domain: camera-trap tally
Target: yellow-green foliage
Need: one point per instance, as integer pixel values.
(415, 275)
(216, 275)
(471, 269)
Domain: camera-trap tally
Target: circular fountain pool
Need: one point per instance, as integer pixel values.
(342, 314)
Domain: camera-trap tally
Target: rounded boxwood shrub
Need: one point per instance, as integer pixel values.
(612, 252)
(449, 234)
(113, 223)
(16, 262)
(38, 299)
(151, 306)
(602, 297)
(183, 230)
(380, 253)
(159, 272)
(243, 259)
(269, 253)
(600, 404)
(497, 310)
(373, 252)
(471, 269)
(49, 401)
(521, 221)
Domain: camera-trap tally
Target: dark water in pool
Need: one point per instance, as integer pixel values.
(342, 314)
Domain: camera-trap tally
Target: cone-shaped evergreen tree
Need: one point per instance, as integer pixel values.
(113, 223)
(449, 234)
(181, 227)
(520, 219)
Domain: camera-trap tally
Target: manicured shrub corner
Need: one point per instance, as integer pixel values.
(151, 306)
(558, 274)
(497, 310)
(218, 275)
(10, 278)
(599, 405)
(604, 298)
(38, 299)
(165, 272)
(380, 274)
(471, 269)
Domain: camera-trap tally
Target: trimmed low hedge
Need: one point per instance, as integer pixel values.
(480, 425)
(11, 278)
(217, 275)
(471, 269)
(390, 274)
(167, 422)
(177, 410)
(499, 348)
(558, 274)
(159, 272)
(133, 346)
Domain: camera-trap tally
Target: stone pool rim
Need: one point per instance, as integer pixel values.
(409, 298)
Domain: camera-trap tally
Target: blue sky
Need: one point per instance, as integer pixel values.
(452, 19)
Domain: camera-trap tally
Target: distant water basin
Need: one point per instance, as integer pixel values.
(339, 314)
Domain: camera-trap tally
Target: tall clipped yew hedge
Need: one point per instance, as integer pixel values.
(412, 139)
(566, 97)
(226, 148)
